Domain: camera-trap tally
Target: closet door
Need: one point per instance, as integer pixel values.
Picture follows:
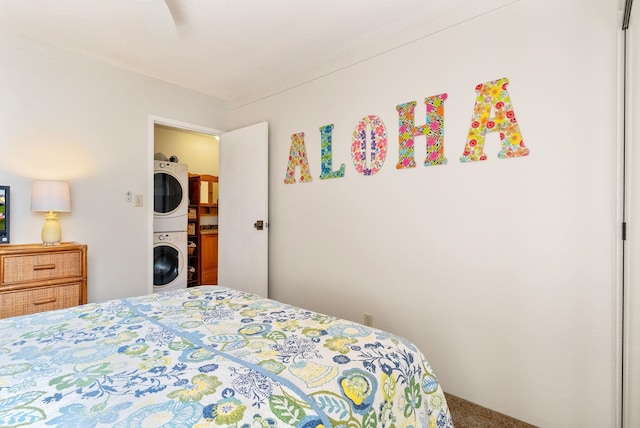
(631, 314)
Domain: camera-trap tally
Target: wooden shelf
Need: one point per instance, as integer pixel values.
(203, 195)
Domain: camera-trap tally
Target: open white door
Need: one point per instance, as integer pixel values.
(243, 203)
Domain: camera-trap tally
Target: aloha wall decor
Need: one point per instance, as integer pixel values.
(326, 154)
(378, 145)
(433, 129)
(493, 95)
(490, 97)
(298, 158)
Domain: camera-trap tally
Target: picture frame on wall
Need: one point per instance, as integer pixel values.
(4, 214)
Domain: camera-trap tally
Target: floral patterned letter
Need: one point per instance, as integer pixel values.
(378, 145)
(325, 154)
(433, 129)
(493, 94)
(297, 157)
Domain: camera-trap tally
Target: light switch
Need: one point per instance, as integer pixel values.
(137, 201)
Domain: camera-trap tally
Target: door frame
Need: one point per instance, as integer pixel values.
(154, 120)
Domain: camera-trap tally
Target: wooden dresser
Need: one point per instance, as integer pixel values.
(35, 278)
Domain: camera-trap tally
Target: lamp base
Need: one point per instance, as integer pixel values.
(51, 232)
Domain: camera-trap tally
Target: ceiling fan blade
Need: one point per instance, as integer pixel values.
(176, 11)
(158, 18)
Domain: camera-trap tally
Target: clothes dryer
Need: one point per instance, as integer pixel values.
(170, 196)
(169, 261)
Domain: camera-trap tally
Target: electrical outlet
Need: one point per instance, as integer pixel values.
(137, 201)
(368, 320)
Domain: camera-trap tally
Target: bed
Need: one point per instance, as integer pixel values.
(210, 356)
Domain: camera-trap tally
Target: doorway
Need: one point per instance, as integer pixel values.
(244, 243)
(197, 149)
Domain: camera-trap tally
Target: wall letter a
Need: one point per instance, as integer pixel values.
(493, 94)
(297, 158)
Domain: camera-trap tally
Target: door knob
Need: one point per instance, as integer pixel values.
(259, 225)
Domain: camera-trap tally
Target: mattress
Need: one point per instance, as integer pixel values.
(210, 357)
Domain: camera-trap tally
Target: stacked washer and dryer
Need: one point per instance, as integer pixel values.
(170, 207)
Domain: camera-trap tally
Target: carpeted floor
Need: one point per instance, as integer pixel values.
(469, 415)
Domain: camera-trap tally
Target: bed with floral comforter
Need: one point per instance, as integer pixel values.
(210, 357)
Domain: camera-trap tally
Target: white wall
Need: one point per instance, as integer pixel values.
(198, 151)
(503, 271)
(65, 117)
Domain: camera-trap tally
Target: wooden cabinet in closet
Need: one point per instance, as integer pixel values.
(203, 238)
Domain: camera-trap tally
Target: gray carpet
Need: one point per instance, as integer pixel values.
(469, 415)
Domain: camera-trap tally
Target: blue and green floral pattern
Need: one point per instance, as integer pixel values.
(210, 357)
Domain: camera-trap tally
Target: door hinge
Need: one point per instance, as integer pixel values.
(624, 231)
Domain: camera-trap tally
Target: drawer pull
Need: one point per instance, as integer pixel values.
(44, 267)
(44, 301)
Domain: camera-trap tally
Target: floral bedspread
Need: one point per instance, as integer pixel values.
(210, 357)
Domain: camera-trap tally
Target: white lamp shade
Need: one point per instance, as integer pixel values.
(50, 196)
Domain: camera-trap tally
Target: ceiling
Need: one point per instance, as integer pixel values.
(238, 51)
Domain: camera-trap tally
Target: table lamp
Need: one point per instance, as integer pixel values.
(51, 197)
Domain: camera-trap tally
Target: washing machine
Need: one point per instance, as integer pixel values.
(170, 196)
(169, 261)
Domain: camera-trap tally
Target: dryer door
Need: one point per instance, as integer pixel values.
(166, 265)
(167, 193)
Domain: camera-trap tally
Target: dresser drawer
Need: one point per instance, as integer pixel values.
(39, 299)
(41, 267)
